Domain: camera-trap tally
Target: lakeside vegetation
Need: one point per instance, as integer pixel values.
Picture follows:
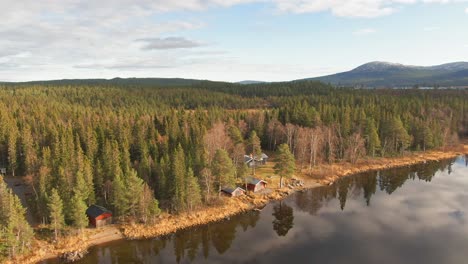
(139, 149)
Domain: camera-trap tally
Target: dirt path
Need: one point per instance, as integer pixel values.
(22, 191)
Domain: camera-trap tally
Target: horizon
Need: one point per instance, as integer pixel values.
(239, 81)
(224, 40)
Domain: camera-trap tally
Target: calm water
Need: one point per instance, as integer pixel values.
(409, 215)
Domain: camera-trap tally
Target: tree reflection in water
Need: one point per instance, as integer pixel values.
(284, 218)
(366, 184)
(189, 243)
(206, 243)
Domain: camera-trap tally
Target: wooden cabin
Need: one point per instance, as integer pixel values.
(99, 216)
(233, 192)
(254, 161)
(255, 185)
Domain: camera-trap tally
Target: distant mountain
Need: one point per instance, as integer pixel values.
(166, 82)
(385, 74)
(249, 82)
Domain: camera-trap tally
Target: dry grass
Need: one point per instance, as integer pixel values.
(167, 224)
(326, 174)
(45, 249)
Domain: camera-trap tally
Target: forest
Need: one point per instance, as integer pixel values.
(138, 148)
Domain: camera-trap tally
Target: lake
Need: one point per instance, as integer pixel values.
(415, 214)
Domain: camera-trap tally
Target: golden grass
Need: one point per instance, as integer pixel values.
(167, 224)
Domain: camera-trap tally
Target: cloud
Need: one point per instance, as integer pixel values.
(60, 36)
(364, 31)
(466, 11)
(353, 8)
(169, 43)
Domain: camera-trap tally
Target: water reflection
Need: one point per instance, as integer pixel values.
(411, 214)
(284, 218)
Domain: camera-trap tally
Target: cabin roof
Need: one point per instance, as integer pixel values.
(255, 181)
(248, 158)
(96, 210)
(231, 190)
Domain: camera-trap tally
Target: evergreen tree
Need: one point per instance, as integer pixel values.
(133, 190)
(178, 169)
(286, 164)
(12, 141)
(223, 169)
(119, 196)
(372, 137)
(57, 219)
(78, 211)
(193, 191)
(254, 148)
(81, 187)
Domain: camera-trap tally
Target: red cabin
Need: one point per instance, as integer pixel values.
(98, 216)
(255, 185)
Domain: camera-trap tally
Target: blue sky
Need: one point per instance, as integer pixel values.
(228, 40)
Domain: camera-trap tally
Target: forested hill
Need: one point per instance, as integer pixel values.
(384, 74)
(135, 149)
(159, 82)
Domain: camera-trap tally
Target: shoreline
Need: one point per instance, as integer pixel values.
(238, 205)
(323, 174)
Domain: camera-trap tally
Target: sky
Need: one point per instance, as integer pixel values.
(224, 40)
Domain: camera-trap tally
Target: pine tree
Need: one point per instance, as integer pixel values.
(134, 188)
(12, 141)
(223, 169)
(254, 145)
(81, 187)
(178, 172)
(193, 191)
(372, 137)
(254, 148)
(55, 206)
(286, 164)
(78, 211)
(119, 197)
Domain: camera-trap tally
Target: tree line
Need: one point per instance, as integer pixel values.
(140, 150)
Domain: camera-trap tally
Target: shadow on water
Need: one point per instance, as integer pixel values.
(380, 211)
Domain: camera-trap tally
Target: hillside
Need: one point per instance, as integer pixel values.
(384, 74)
(166, 82)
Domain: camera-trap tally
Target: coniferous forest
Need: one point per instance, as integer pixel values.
(138, 148)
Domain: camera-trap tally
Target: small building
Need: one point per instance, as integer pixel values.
(233, 192)
(99, 216)
(255, 185)
(249, 161)
(254, 161)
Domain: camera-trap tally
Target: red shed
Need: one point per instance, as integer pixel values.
(98, 216)
(255, 185)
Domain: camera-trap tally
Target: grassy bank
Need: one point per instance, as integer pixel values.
(320, 175)
(228, 207)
